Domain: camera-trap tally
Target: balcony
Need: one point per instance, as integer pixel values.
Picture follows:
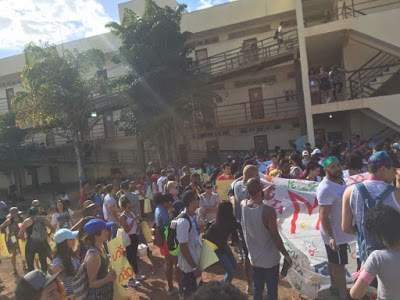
(254, 112)
(265, 52)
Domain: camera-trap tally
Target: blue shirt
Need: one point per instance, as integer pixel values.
(161, 216)
(98, 200)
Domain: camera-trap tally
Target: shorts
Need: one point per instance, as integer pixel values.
(337, 257)
(188, 284)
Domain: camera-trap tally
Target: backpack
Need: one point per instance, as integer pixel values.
(366, 243)
(39, 230)
(80, 283)
(276, 34)
(170, 234)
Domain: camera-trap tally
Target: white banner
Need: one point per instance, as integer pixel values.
(298, 220)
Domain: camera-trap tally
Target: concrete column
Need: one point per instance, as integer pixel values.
(304, 71)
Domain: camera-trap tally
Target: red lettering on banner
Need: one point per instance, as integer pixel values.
(119, 253)
(294, 198)
(318, 222)
(125, 274)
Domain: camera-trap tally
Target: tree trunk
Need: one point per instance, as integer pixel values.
(166, 150)
(78, 154)
(141, 154)
(16, 180)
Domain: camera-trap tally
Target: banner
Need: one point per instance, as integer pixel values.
(119, 262)
(223, 187)
(297, 211)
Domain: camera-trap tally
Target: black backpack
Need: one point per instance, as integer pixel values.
(276, 34)
(170, 234)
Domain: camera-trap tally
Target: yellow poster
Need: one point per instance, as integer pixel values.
(22, 245)
(207, 256)
(119, 292)
(3, 247)
(147, 206)
(223, 187)
(146, 231)
(118, 261)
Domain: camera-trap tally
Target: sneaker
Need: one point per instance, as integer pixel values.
(139, 277)
(133, 283)
(173, 291)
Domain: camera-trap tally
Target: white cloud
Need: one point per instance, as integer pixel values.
(52, 21)
(210, 3)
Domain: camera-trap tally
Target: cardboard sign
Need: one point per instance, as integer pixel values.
(119, 262)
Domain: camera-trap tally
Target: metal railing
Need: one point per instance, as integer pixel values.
(257, 110)
(247, 54)
(351, 9)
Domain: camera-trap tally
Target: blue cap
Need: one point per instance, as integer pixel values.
(96, 225)
(64, 234)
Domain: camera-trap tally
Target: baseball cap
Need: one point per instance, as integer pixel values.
(316, 151)
(305, 153)
(33, 283)
(64, 234)
(88, 204)
(396, 146)
(154, 176)
(382, 158)
(96, 225)
(13, 212)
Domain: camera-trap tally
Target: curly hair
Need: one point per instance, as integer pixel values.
(380, 222)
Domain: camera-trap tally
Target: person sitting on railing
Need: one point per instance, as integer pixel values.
(336, 77)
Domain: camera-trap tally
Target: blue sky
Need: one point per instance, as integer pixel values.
(56, 21)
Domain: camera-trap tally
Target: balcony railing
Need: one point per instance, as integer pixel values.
(261, 110)
(247, 54)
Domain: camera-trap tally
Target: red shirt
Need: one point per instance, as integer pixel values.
(270, 168)
(222, 177)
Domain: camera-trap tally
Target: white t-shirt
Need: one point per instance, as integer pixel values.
(159, 183)
(108, 199)
(331, 193)
(62, 220)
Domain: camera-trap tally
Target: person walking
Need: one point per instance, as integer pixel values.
(128, 222)
(263, 241)
(62, 216)
(329, 194)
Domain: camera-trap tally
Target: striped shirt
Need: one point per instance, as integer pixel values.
(67, 280)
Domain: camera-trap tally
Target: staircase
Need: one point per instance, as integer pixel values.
(371, 77)
(395, 128)
(265, 52)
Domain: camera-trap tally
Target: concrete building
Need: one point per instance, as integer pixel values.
(267, 100)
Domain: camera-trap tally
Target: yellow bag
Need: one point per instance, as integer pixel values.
(146, 231)
(147, 206)
(3, 247)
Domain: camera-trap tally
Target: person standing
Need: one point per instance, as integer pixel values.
(208, 203)
(263, 241)
(187, 234)
(110, 209)
(335, 76)
(329, 194)
(279, 35)
(98, 200)
(160, 181)
(62, 216)
(274, 163)
(226, 172)
(35, 227)
(325, 86)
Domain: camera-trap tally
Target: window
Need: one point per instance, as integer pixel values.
(109, 129)
(10, 96)
(260, 129)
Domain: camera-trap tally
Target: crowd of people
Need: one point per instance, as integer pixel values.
(187, 208)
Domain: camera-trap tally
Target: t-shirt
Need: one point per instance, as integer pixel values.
(67, 280)
(240, 193)
(160, 183)
(98, 200)
(161, 217)
(108, 199)
(192, 238)
(204, 203)
(222, 177)
(386, 265)
(331, 193)
(270, 168)
(133, 198)
(62, 220)
(262, 166)
(3, 207)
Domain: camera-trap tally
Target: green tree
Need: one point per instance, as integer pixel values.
(164, 91)
(14, 153)
(58, 93)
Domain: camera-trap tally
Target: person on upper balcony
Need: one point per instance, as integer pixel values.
(336, 78)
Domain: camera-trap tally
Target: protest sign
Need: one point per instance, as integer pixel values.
(146, 231)
(297, 211)
(147, 206)
(3, 247)
(223, 187)
(118, 261)
(207, 256)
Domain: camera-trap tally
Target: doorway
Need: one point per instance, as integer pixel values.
(212, 151)
(261, 143)
(256, 104)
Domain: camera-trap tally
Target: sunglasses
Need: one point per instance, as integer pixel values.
(208, 187)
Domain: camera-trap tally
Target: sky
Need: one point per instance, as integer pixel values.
(56, 21)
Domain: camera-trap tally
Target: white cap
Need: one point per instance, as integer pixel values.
(316, 151)
(305, 153)
(150, 162)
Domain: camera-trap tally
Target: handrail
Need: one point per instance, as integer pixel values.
(363, 66)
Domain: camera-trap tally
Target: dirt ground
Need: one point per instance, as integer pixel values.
(155, 286)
